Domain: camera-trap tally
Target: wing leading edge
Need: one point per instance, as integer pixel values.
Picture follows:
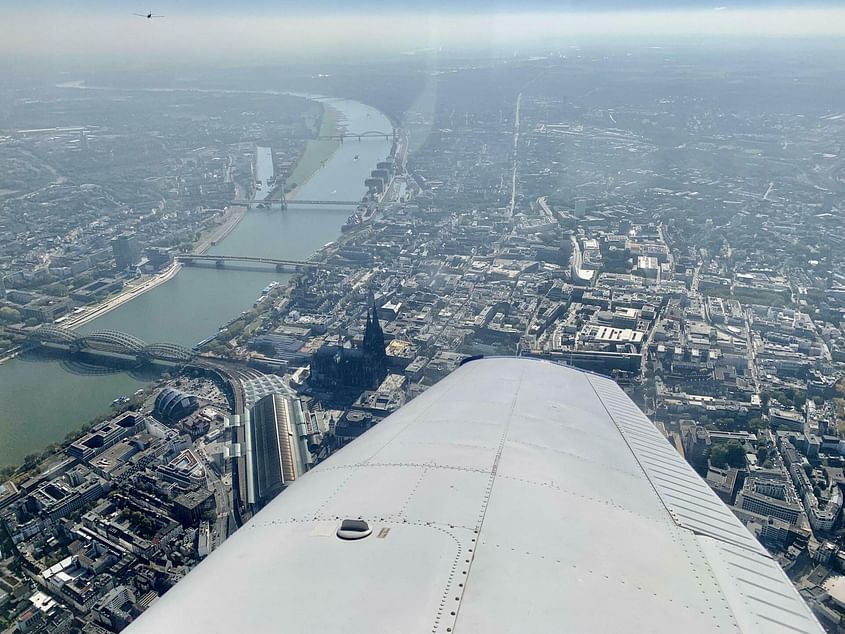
(516, 495)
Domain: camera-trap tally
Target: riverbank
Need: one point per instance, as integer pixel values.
(234, 215)
(132, 290)
(129, 293)
(317, 152)
(44, 399)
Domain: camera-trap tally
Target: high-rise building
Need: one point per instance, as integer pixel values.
(580, 208)
(126, 250)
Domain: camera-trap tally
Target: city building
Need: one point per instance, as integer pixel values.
(185, 469)
(172, 405)
(127, 251)
(105, 435)
(696, 442)
(277, 452)
(62, 496)
(788, 419)
(769, 497)
(116, 608)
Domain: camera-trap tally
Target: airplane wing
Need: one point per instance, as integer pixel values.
(516, 495)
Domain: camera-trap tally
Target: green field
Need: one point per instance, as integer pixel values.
(316, 151)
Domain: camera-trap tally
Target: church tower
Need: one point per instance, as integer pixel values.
(375, 358)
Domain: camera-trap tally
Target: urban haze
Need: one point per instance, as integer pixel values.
(218, 269)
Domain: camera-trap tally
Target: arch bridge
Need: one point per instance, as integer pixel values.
(368, 134)
(110, 342)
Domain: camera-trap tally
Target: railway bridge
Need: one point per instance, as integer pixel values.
(109, 343)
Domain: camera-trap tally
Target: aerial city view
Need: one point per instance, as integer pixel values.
(615, 257)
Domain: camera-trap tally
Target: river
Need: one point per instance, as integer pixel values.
(42, 400)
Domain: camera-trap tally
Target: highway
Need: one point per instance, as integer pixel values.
(543, 202)
(752, 352)
(515, 161)
(577, 273)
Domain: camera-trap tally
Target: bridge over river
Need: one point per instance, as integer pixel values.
(284, 202)
(111, 344)
(281, 264)
(393, 135)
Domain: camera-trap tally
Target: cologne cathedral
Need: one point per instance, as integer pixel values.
(363, 368)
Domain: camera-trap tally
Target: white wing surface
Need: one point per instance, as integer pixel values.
(516, 495)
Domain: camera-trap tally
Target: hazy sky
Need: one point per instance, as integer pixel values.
(254, 30)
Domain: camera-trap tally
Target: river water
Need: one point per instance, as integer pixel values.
(42, 400)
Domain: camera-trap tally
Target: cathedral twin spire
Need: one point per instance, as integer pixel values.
(373, 334)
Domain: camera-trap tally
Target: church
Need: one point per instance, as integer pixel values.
(363, 368)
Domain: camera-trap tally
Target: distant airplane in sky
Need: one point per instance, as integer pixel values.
(149, 16)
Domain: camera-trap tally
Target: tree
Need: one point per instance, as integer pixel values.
(762, 454)
(10, 315)
(729, 454)
(82, 280)
(756, 423)
(56, 289)
(782, 398)
(30, 461)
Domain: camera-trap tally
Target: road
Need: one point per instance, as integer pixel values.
(544, 205)
(515, 162)
(223, 498)
(752, 357)
(577, 260)
(696, 276)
